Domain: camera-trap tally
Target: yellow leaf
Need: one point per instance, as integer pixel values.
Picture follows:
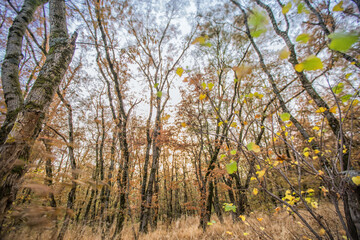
(259, 219)
(321, 110)
(316, 151)
(233, 124)
(333, 109)
(166, 117)
(322, 232)
(299, 67)
(242, 218)
(252, 178)
(179, 71)
(183, 124)
(306, 154)
(262, 229)
(338, 7)
(355, 102)
(348, 75)
(230, 233)
(202, 96)
(220, 123)
(245, 233)
(310, 190)
(314, 204)
(260, 173)
(255, 191)
(356, 180)
(210, 86)
(310, 139)
(284, 53)
(200, 40)
(286, 8)
(316, 128)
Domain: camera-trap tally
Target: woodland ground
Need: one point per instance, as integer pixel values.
(258, 225)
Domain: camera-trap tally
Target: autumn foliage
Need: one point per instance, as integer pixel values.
(180, 119)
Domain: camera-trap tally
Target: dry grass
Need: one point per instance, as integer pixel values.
(257, 226)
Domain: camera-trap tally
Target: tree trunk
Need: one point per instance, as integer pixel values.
(154, 167)
(10, 67)
(72, 193)
(14, 153)
(217, 206)
(49, 174)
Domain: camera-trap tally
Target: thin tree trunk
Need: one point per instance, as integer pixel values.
(154, 167)
(49, 174)
(217, 206)
(72, 193)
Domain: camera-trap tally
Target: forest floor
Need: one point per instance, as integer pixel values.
(257, 225)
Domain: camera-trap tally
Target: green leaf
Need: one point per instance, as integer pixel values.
(159, 94)
(310, 63)
(338, 88)
(286, 8)
(285, 117)
(206, 44)
(303, 38)
(222, 156)
(345, 98)
(156, 85)
(233, 152)
(257, 22)
(203, 85)
(210, 86)
(231, 167)
(342, 41)
(302, 9)
(257, 18)
(229, 207)
(253, 147)
(258, 32)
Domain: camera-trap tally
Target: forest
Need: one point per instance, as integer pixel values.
(180, 119)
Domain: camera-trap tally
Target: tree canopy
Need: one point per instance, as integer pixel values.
(127, 119)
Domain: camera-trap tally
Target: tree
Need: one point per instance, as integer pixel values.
(25, 118)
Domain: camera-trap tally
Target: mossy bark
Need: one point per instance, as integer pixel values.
(28, 124)
(10, 67)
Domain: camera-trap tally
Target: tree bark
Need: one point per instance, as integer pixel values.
(10, 67)
(74, 174)
(14, 153)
